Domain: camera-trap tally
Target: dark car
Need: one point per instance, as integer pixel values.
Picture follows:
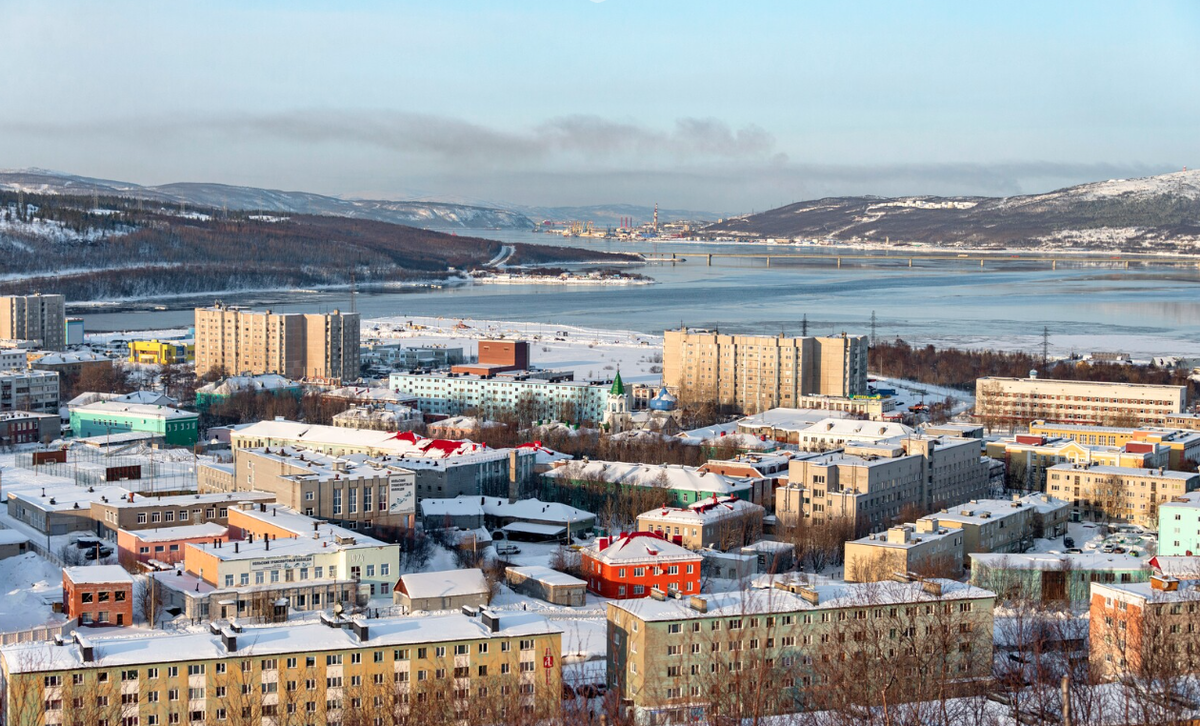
(1068, 542)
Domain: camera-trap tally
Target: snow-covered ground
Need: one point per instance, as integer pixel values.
(590, 353)
(30, 586)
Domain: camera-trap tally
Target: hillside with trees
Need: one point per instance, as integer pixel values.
(94, 247)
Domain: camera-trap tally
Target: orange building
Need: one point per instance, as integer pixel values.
(98, 595)
(632, 564)
(1144, 628)
(165, 545)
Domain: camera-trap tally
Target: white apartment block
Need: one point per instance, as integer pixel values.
(34, 317)
(453, 394)
(29, 390)
(1019, 401)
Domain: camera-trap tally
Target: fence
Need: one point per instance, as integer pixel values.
(139, 469)
(44, 632)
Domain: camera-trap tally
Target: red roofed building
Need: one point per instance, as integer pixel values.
(630, 565)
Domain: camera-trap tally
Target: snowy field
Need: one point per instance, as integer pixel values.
(31, 585)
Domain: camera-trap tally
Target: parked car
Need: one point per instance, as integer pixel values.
(504, 548)
(1068, 542)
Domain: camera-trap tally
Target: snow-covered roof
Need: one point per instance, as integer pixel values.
(59, 496)
(464, 423)
(236, 384)
(670, 476)
(974, 512)
(370, 393)
(637, 547)
(789, 419)
(11, 537)
(543, 456)
(544, 530)
(524, 509)
(1177, 565)
(98, 575)
(188, 531)
(148, 647)
(186, 499)
(1125, 471)
(134, 409)
(415, 449)
(149, 398)
(547, 575)
(1047, 561)
(70, 358)
(278, 516)
(854, 429)
(830, 596)
(262, 549)
(446, 583)
(703, 512)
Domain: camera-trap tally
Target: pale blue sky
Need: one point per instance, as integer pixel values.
(719, 106)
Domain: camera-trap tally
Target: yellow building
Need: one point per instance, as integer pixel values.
(484, 668)
(1184, 445)
(1027, 456)
(1117, 494)
(161, 352)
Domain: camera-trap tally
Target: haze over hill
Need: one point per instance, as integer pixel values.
(1151, 214)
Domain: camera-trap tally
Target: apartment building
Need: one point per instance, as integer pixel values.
(999, 525)
(721, 523)
(322, 347)
(870, 484)
(27, 427)
(1053, 578)
(755, 373)
(532, 395)
(667, 657)
(1179, 526)
(135, 512)
(485, 668)
(1145, 629)
(384, 417)
(29, 390)
(34, 317)
(1026, 457)
(924, 547)
(1117, 494)
(1018, 401)
(1183, 445)
(573, 481)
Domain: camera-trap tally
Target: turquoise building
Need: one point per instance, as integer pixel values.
(177, 428)
(1179, 526)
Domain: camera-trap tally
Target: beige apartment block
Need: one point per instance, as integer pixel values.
(323, 347)
(1117, 494)
(722, 523)
(1006, 402)
(924, 547)
(34, 317)
(755, 373)
(999, 525)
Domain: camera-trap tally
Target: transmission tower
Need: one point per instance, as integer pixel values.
(1045, 344)
(804, 326)
(873, 339)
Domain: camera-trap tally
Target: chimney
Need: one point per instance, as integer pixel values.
(229, 640)
(267, 543)
(361, 630)
(490, 621)
(698, 604)
(657, 594)
(1165, 583)
(932, 587)
(235, 548)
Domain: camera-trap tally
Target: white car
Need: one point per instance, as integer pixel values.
(505, 548)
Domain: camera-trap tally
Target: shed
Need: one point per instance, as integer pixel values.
(446, 590)
(546, 584)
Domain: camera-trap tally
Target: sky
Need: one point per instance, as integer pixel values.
(726, 107)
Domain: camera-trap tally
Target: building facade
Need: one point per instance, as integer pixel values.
(527, 394)
(489, 668)
(754, 373)
(635, 563)
(924, 547)
(721, 523)
(323, 347)
(1005, 402)
(27, 427)
(29, 390)
(98, 595)
(176, 427)
(161, 352)
(34, 317)
(1184, 445)
(1145, 629)
(1117, 494)
(1179, 526)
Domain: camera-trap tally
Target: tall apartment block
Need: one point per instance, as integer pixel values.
(313, 346)
(755, 373)
(34, 317)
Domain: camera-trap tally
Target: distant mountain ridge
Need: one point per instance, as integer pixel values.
(413, 213)
(1151, 214)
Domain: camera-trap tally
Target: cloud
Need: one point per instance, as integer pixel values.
(568, 138)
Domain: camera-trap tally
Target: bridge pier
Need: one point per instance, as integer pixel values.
(910, 262)
(709, 260)
(1053, 264)
(981, 263)
(839, 262)
(768, 260)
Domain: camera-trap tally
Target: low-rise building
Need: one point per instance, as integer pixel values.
(633, 564)
(165, 546)
(553, 586)
(1117, 494)
(1184, 445)
(1144, 629)
(924, 548)
(162, 352)
(530, 519)
(721, 523)
(130, 511)
(399, 355)
(56, 506)
(1053, 577)
(576, 481)
(382, 417)
(784, 424)
(434, 668)
(98, 595)
(28, 427)
(1026, 457)
(12, 543)
(668, 657)
(213, 393)
(538, 395)
(29, 390)
(68, 363)
(998, 525)
(1179, 526)
(446, 590)
(833, 433)
(176, 427)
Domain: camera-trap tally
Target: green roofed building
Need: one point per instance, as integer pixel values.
(177, 428)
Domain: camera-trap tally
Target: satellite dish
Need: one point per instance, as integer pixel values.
(337, 609)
